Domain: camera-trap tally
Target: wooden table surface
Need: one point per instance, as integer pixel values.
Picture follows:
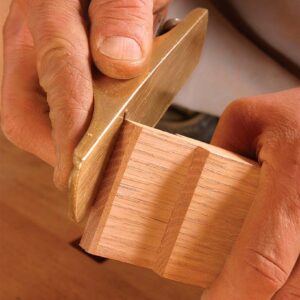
(36, 259)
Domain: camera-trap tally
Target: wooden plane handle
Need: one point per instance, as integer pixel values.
(171, 204)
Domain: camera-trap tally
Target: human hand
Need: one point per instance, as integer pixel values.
(264, 263)
(47, 90)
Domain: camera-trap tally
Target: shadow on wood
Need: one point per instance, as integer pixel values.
(171, 204)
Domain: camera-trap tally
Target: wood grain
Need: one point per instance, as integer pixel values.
(170, 204)
(37, 261)
(144, 99)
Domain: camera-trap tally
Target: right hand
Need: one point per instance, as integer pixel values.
(264, 262)
(47, 93)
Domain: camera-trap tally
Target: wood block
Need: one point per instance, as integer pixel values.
(171, 204)
(36, 259)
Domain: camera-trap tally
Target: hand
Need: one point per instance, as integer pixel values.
(47, 91)
(264, 263)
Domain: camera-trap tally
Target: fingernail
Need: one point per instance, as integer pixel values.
(121, 48)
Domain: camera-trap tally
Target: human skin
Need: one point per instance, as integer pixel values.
(47, 91)
(47, 104)
(264, 262)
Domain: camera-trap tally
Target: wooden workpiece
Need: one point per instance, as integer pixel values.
(171, 204)
(37, 261)
(143, 99)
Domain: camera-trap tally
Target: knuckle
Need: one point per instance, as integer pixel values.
(61, 72)
(243, 107)
(69, 112)
(45, 10)
(241, 113)
(55, 50)
(266, 270)
(58, 61)
(277, 125)
(66, 97)
(121, 10)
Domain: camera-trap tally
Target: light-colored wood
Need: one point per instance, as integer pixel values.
(143, 99)
(37, 261)
(171, 204)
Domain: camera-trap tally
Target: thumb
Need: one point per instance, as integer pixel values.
(121, 36)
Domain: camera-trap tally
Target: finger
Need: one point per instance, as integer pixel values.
(121, 36)
(244, 120)
(237, 130)
(268, 246)
(291, 290)
(61, 45)
(24, 110)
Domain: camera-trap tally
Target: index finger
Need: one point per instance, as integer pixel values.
(62, 50)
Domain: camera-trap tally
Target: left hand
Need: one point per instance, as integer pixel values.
(264, 263)
(47, 92)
